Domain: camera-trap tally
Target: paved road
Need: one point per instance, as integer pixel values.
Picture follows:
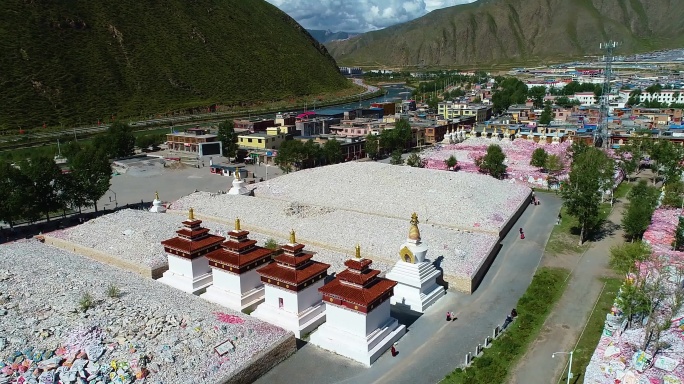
(564, 326)
(432, 347)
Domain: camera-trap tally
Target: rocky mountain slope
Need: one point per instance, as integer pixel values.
(511, 31)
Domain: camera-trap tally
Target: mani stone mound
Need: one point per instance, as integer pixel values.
(456, 199)
(177, 338)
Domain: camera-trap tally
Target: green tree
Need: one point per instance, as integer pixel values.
(332, 150)
(625, 258)
(413, 160)
(537, 94)
(547, 115)
(673, 194)
(636, 219)
(90, 174)
(451, 162)
(402, 134)
(119, 141)
(554, 164)
(372, 146)
(565, 102)
(228, 138)
(396, 158)
(581, 193)
(492, 162)
(289, 155)
(45, 182)
(13, 186)
(678, 243)
(539, 158)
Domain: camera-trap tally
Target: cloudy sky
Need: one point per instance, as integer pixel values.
(358, 15)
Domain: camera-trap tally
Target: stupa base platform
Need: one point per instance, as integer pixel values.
(232, 300)
(301, 324)
(417, 287)
(362, 349)
(186, 284)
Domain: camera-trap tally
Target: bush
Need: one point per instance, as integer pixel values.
(533, 307)
(113, 291)
(86, 302)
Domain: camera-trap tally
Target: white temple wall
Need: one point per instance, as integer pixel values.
(226, 281)
(189, 268)
(378, 316)
(281, 298)
(346, 320)
(250, 280)
(310, 296)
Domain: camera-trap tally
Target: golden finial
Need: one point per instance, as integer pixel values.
(156, 195)
(237, 174)
(191, 215)
(414, 233)
(358, 251)
(293, 240)
(237, 224)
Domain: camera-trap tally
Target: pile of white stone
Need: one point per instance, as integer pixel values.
(455, 199)
(460, 253)
(146, 328)
(135, 236)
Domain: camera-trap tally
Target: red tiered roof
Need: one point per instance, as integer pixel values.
(239, 254)
(358, 287)
(192, 241)
(293, 270)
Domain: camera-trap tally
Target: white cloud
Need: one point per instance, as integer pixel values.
(358, 15)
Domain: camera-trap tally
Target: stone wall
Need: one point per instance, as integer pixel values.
(104, 257)
(265, 361)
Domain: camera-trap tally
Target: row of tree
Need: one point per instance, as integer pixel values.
(511, 90)
(389, 140)
(295, 154)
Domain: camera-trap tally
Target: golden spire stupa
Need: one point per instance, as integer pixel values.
(191, 215)
(358, 250)
(156, 195)
(414, 232)
(237, 224)
(237, 174)
(293, 239)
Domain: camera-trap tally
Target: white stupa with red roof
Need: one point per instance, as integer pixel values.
(292, 300)
(188, 267)
(237, 284)
(417, 287)
(359, 325)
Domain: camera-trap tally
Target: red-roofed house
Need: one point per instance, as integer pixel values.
(292, 300)
(188, 266)
(234, 268)
(358, 322)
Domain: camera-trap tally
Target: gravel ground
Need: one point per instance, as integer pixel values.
(135, 236)
(175, 332)
(456, 199)
(380, 237)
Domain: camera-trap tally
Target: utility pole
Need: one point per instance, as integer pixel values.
(601, 134)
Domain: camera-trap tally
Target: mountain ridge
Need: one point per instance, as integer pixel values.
(73, 61)
(500, 31)
(326, 35)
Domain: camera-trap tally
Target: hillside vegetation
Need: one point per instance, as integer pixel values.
(72, 61)
(518, 31)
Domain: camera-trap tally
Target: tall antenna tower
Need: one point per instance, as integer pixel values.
(601, 135)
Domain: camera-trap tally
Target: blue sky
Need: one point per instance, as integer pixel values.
(358, 15)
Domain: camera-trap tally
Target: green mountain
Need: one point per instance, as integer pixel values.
(71, 61)
(324, 36)
(517, 31)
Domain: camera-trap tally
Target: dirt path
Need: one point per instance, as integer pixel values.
(565, 324)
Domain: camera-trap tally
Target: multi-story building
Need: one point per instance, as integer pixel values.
(271, 139)
(315, 126)
(387, 107)
(450, 110)
(195, 140)
(254, 125)
(585, 98)
(666, 96)
(357, 127)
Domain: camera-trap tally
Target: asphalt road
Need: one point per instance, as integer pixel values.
(432, 348)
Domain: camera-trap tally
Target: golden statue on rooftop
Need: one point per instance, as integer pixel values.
(358, 251)
(293, 239)
(191, 214)
(414, 233)
(237, 174)
(156, 195)
(237, 224)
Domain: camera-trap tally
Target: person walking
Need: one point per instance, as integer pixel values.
(448, 316)
(522, 234)
(394, 350)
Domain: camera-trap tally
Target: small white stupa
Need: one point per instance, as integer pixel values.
(157, 206)
(238, 185)
(416, 276)
(447, 138)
